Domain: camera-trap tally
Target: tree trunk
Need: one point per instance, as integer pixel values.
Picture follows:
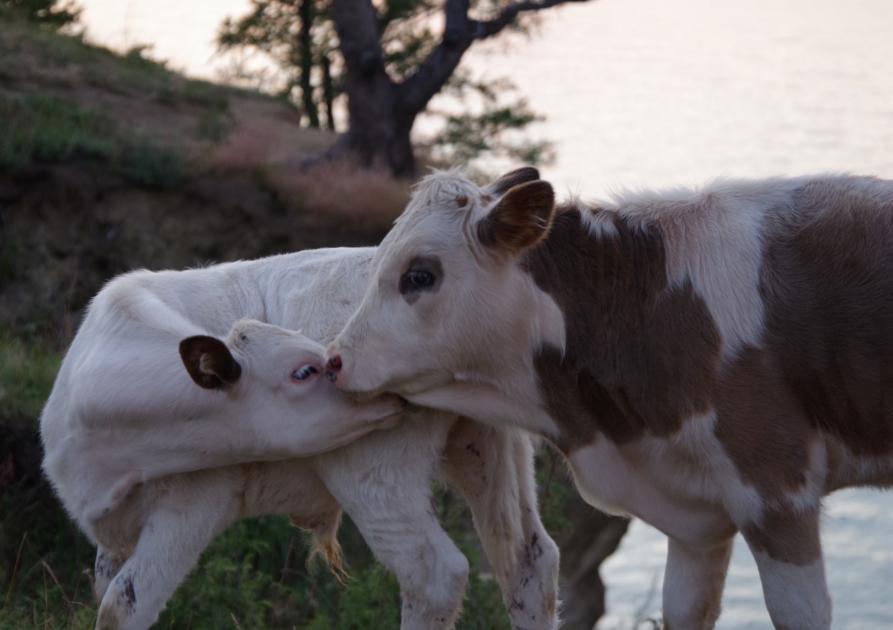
(328, 90)
(305, 45)
(379, 133)
(379, 126)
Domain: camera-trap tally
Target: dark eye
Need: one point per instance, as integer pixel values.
(416, 280)
(304, 372)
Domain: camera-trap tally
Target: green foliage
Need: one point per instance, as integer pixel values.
(492, 128)
(44, 129)
(47, 129)
(491, 124)
(73, 61)
(214, 125)
(26, 377)
(301, 52)
(554, 491)
(53, 13)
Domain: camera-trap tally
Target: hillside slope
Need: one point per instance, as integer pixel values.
(109, 163)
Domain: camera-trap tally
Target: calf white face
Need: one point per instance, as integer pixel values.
(277, 375)
(448, 295)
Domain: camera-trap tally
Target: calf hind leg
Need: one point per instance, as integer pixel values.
(105, 568)
(183, 522)
(493, 470)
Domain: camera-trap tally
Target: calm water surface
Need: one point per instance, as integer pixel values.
(665, 92)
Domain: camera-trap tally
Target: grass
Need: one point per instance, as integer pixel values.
(41, 128)
(70, 59)
(26, 377)
(46, 129)
(366, 198)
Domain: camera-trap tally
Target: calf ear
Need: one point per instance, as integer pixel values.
(520, 219)
(513, 178)
(209, 362)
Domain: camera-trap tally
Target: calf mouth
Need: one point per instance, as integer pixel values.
(370, 396)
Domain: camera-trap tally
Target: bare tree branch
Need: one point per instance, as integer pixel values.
(459, 33)
(436, 69)
(489, 28)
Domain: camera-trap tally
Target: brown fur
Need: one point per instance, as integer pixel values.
(325, 540)
(760, 424)
(209, 362)
(828, 287)
(640, 357)
(519, 220)
(513, 178)
(787, 536)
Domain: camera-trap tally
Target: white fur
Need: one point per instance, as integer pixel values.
(713, 238)
(796, 596)
(693, 583)
(126, 432)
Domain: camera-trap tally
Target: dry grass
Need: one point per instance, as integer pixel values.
(369, 199)
(265, 131)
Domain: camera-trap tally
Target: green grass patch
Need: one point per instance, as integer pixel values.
(26, 377)
(45, 129)
(133, 72)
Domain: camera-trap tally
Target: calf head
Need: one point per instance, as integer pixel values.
(276, 372)
(448, 293)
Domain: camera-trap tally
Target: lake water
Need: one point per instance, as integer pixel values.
(662, 92)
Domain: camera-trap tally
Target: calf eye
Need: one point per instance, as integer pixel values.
(304, 372)
(422, 274)
(416, 280)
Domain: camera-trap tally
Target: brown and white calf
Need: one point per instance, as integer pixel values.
(711, 361)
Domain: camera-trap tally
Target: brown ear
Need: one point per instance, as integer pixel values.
(209, 362)
(513, 178)
(520, 220)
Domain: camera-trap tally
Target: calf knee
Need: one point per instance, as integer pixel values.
(433, 599)
(447, 589)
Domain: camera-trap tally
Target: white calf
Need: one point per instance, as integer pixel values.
(139, 494)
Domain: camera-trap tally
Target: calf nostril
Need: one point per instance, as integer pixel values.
(334, 363)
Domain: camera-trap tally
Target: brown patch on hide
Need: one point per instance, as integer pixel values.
(787, 536)
(827, 282)
(641, 356)
(761, 424)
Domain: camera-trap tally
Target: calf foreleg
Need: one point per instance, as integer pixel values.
(493, 470)
(788, 552)
(384, 484)
(693, 584)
